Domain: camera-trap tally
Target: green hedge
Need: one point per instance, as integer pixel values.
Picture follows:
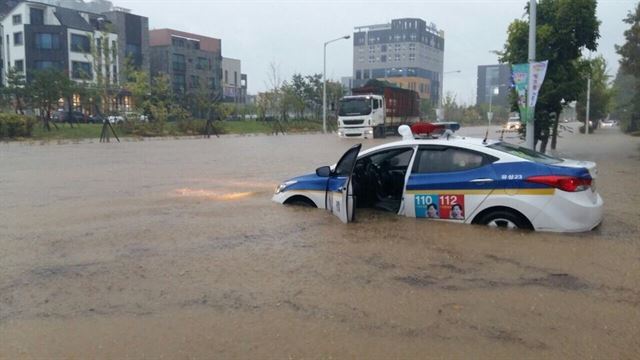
(15, 126)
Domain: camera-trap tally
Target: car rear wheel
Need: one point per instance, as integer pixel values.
(504, 219)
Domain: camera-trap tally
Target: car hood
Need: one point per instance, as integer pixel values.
(307, 182)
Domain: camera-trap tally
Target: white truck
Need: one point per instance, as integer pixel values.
(377, 109)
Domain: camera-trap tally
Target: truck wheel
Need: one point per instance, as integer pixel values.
(378, 132)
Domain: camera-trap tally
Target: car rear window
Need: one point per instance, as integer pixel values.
(525, 153)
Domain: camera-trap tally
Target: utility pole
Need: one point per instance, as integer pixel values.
(586, 118)
(530, 138)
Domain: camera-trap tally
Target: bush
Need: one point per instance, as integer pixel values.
(15, 126)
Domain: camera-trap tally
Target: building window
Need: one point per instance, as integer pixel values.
(383, 58)
(226, 77)
(19, 65)
(195, 82)
(366, 74)
(134, 52)
(412, 57)
(17, 19)
(358, 74)
(17, 39)
(397, 57)
(36, 16)
(202, 63)
(235, 78)
(45, 64)
(372, 58)
(412, 47)
(178, 63)
(81, 70)
(115, 74)
(383, 48)
(80, 43)
(46, 41)
(179, 83)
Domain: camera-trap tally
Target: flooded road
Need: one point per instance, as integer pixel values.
(172, 249)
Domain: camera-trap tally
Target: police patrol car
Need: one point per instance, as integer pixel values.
(456, 179)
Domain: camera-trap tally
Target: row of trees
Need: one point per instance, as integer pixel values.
(300, 97)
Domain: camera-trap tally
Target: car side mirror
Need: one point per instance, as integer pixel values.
(323, 171)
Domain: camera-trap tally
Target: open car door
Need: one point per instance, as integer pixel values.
(339, 199)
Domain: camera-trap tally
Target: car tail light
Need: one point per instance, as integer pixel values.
(564, 183)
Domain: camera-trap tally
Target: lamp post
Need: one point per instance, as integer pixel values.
(324, 83)
(440, 111)
(494, 90)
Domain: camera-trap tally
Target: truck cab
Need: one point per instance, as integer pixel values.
(359, 115)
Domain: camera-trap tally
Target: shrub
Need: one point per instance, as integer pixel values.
(15, 126)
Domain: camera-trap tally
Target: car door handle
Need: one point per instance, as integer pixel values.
(485, 180)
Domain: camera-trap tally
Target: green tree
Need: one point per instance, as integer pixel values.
(600, 100)
(564, 29)
(630, 64)
(46, 88)
(15, 89)
(625, 89)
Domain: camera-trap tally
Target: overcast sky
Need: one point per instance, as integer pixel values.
(291, 33)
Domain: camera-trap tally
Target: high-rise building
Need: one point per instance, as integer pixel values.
(133, 40)
(192, 62)
(494, 83)
(408, 52)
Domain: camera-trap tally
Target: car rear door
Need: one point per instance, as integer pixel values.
(339, 198)
(449, 182)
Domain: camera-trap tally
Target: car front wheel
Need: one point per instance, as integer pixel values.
(505, 219)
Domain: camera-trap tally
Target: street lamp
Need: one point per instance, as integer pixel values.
(324, 83)
(440, 111)
(494, 90)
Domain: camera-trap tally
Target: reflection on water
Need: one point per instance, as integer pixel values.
(213, 195)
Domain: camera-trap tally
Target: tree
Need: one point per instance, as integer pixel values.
(625, 95)
(564, 29)
(630, 64)
(46, 88)
(600, 100)
(15, 89)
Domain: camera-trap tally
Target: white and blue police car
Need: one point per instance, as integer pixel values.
(456, 179)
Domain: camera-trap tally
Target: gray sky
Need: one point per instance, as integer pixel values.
(291, 33)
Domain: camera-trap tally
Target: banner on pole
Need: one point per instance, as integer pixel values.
(520, 75)
(527, 80)
(537, 73)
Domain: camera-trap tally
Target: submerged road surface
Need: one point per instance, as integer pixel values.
(172, 248)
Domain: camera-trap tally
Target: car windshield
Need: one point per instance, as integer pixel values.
(351, 107)
(525, 153)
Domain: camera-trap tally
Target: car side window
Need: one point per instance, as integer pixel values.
(394, 157)
(437, 159)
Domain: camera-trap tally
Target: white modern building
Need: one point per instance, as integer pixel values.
(234, 82)
(40, 36)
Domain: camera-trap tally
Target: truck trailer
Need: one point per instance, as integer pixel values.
(376, 110)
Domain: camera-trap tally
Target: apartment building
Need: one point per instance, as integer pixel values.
(192, 62)
(39, 36)
(133, 40)
(407, 51)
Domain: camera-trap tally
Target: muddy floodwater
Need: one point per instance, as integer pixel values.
(172, 248)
